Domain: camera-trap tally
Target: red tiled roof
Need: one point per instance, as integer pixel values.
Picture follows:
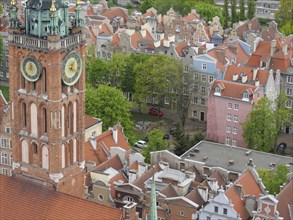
(249, 187)
(261, 75)
(263, 50)
(133, 166)
(113, 162)
(119, 177)
(217, 175)
(195, 197)
(169, 191)
(25, 200)
(285, 198)
(190, 17)
(89, 121)
(90, 10)
(114, 12)
(244, 27)
(232, 89)
(115, 40)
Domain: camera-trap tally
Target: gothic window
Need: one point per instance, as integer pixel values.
(45, 126)
(44, 77)
(24, 151)
(34, 119)
(45, 161)
(35, 148)
(24, 115)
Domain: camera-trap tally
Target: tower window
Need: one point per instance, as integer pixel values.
(45, 127)
(24, 114)
(35, 148)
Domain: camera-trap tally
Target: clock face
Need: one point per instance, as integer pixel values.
(31, 69)
(71, 68)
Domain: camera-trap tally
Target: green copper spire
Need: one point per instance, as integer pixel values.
(78, 22)
(14, 22)
(153, 202)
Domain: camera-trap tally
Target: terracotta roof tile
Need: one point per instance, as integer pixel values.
(115, 12)
(232, 89)
(190, 17)
(198, 177)
(263, 50)
(113, 162)
(169, 191)
(144, 177)
(217, 175)
(249, 25)
(115, 40)
(249, 187)
(261, 75)
(117, 178)
(133, 166)
(285, 198)
(25, 200)
(195, 197)
(90, 121)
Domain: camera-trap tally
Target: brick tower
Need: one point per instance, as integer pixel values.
(47, 85)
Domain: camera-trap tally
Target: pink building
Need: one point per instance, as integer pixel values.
(228, 106)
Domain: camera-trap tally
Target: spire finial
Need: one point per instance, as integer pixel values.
(53, 7)
(77, 2)
(13, 2)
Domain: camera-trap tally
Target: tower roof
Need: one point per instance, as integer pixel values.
(44, 5)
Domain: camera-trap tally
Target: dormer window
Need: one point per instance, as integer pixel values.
(177, 28)
(218, 91)
(245, 96)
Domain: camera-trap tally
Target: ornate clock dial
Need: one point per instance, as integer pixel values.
(71, 68)
(30, 69)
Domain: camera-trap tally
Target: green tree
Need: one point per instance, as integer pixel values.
(156, 77)
(260, 130)
(274, 179)
(146, 4)
(233, 12)
(287, 28)
(117, 68)
(226, 13)
(1, 9)
(156, 142)
(284, 15)
(97, 72)
(282, 114)
(242, 10)
(109, 104)
(208, 11)
(251, 9)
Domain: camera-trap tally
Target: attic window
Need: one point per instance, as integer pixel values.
(245, 96)
(218, 91)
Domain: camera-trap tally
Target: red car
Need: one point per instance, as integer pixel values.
(155, 112)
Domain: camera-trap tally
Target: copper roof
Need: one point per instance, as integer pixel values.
(26, 200)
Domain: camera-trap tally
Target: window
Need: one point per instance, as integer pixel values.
(235, 118)
(100, 197)
(202, 101)
(4, 142)
(211, 78)
(4, 158)
(229, 105)
(289, 79)
(196, 76)
(229, 116)
(195, 88)
(194, 113)
(216, 209)
(167, 100)
(8, 130)
(11, 161)
(158, 204)
(225, 211)
(234, 142)
(228, 129)
(194, 100)
(203, 90)
(227, 141)
(186, 68)
(1, 73)
(289, 104)
(35, 147)
(218, 90)
(203, 77)
(204, 66)
(168, 212)
(10, 144)
(289, 91)
(236, 107)
(128, 199)
(181, 213)
(235, 129)
(245, 96)
(5, 171)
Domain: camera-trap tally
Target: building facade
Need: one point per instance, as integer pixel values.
(47, 84)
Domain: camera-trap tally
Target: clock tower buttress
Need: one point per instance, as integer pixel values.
(47, 95)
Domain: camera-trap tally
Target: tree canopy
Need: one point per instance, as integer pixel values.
(274, 179)
(251, 9)
(156, 142)
(156, 77)
(264, 122)
(110, 105)
(284, 16)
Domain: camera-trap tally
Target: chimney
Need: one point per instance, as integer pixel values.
(285, 49)
(273, 47)
(231, 162)
(255, 73)
(115, 134)
(244, 78)
(235, 77)
(205, 158)
(129, 211)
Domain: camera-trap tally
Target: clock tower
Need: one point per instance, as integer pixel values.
(47, 86)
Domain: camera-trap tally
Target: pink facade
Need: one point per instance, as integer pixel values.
(227, 111)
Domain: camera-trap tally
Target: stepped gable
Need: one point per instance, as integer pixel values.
(285, 198)
(25, 199)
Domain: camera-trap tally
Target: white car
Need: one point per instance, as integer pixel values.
(140, 144)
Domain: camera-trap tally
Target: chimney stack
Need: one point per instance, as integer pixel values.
(273, 47)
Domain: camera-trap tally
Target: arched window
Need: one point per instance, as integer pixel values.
(24, 115)
(35, 148)
(24, 151)
(44, 78)
(45, 156)
(45, 125)
(34, 119)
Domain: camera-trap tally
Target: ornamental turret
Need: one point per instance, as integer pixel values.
(13, 19)
(78, 21)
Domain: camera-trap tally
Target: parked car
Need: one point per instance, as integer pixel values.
(155, 112)
(140, 144)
